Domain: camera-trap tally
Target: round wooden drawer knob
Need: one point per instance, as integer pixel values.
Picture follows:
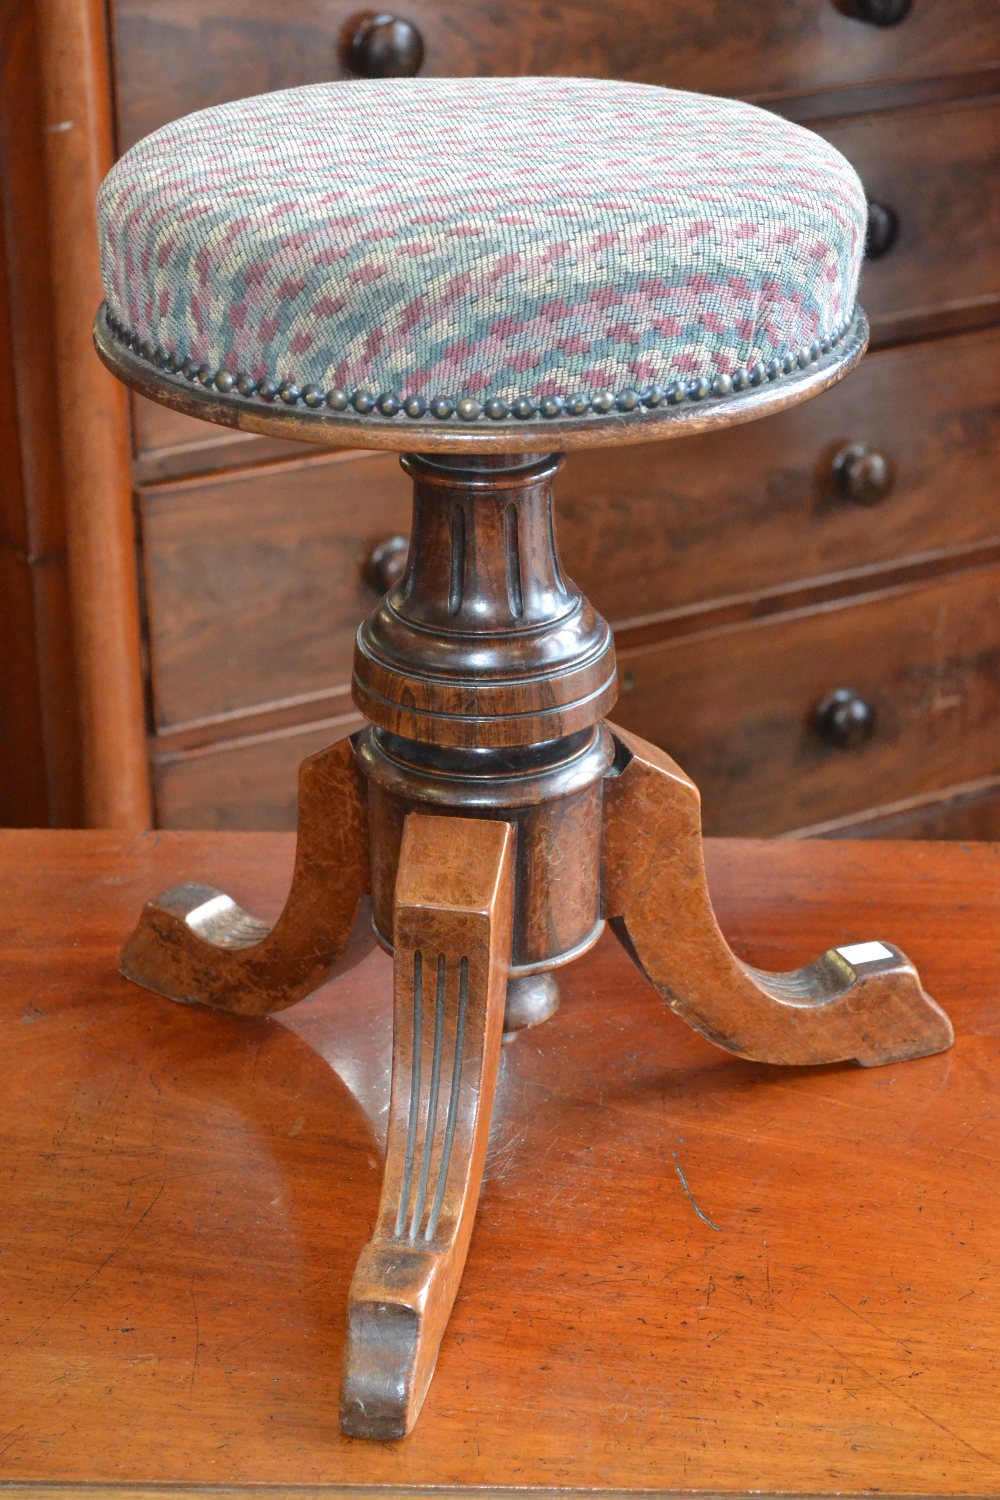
(880, 12)
(882, 231)
(863, 474)
(844, 719)
(385, 563)
(379, 45)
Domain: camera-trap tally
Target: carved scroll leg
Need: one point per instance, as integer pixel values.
(452, 937)
(195, 944)
(864, 1001)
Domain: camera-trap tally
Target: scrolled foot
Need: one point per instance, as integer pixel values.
(869, 1003)
(863, 1001)
(389, 1354)
(197, 945)
(452, 940)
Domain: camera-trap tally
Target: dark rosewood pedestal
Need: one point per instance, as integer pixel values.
(498, 822)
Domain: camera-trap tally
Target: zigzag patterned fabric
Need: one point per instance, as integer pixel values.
(484, 237)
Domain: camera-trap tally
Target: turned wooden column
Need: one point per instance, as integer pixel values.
(484, 642)
(485, 674)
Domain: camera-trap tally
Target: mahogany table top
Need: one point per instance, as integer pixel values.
(689, 1273)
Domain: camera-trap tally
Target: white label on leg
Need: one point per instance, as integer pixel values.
(864, 953)
(213, 907)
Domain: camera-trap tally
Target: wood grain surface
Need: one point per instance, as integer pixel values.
(172, 58)
(928, 165)
(925, 657)
(688, 1272)
(194, 944)
(968, 812)
(92, 431)
(862, 1002)
(41, 781)
(452, 938)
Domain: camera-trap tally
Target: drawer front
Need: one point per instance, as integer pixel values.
(736, 708)
(174, 56)
(246, 785)
(936, 169)
(255, 582)
(739, 512)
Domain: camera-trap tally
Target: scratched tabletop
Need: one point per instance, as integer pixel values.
(689, 1273)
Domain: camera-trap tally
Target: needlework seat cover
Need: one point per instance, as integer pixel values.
(537, 240)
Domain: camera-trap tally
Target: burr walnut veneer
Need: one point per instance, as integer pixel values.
(498, 821)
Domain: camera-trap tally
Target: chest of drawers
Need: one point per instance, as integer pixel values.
(850, 546)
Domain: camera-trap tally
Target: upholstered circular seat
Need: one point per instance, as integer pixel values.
(477, 250)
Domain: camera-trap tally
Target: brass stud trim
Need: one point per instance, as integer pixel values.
(464, 410)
